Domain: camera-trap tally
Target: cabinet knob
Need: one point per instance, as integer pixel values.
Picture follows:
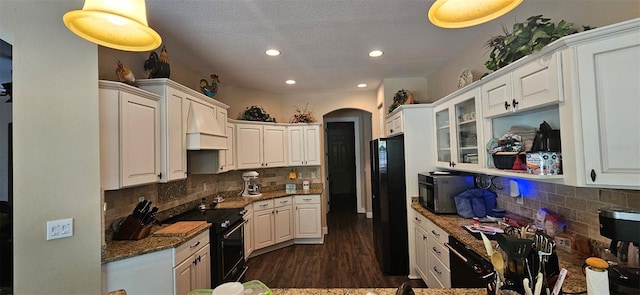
(506, 106)
(391, 131)
(593, 175)
(160, 175)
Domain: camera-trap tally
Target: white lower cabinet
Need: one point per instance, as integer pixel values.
(308, 223)
(248, 231)
(273, 222)
(283, 219)
(170, 271)
(432, 256)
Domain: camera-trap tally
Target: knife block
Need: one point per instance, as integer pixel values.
(132, 229)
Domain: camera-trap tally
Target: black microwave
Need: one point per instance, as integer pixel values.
(436, 191)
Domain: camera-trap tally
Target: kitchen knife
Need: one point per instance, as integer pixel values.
(144, 210)
(138, 208)
(150, 216)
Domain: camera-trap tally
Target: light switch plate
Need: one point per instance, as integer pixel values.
(61, 228)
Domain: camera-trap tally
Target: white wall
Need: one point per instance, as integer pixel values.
(56, 150)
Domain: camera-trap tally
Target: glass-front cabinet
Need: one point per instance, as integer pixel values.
(457, 128)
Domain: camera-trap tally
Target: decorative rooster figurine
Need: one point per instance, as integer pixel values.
(210, 90)
(124, 74)
(158, 67)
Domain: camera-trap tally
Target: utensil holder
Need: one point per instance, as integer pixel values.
(132, 229)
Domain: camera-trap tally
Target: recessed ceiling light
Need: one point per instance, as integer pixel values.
(272, 52)
(362, 85)
(375, 53)
(290, 82)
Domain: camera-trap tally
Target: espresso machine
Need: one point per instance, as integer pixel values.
(622, 226)
(251, 188)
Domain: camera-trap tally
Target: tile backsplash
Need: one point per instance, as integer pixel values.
(578, 205)
(178, 196)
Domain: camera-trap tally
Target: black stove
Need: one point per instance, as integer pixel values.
(226, 237)
(220, 219)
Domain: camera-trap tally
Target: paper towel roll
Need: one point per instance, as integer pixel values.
(597, 281)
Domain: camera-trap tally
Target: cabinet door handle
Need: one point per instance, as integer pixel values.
(302, 162)
(160, 175)
(424, 237)
(506, 106)
(593, 175)
(515, 104)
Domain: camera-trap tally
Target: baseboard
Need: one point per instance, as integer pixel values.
(369, 214)
(325, 231)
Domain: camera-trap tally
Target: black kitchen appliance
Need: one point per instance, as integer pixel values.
(390, 234)
(622, 226)
(468, 268)
(226, 237)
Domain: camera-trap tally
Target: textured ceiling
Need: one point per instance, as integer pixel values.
(324, 43)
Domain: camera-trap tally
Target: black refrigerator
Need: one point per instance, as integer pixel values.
(390, 237)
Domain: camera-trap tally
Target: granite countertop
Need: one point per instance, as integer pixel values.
(451, 223)
(375, 291)
(117, 250)
(241, 202)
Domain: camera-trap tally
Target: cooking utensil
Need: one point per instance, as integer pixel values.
(539, 280)
(527, 288)
(516, 249)
(487, 244)
(558, 287)
(498, 263)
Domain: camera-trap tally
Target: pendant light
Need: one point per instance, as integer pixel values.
(118, 24)
(467, 13)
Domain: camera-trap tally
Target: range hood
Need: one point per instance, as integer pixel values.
(205, 131)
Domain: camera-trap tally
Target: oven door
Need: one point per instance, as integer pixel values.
(232, 252)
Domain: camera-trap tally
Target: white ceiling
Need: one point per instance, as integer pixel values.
(324, 43)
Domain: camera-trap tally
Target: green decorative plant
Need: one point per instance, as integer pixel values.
(255, 113)
(402, 97)
(526, 38)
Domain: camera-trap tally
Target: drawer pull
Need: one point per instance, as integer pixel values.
(433, 231)
(264, 205)
(195, 245)
(436, 250)
(418, 219)
(437, 271)
(307, 199)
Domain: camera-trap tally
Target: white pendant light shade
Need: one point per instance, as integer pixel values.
(118, 24)
(467, 13)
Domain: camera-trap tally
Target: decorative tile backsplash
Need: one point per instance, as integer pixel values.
(578, 205)
(178, 196)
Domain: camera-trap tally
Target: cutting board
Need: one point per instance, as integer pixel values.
(180, 228)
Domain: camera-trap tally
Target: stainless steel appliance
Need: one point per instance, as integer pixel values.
(622, 226)
(390, 233)
(226, 237)
(436, 192)
(468, 269)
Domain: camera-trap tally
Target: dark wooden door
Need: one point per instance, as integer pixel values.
(341, 163)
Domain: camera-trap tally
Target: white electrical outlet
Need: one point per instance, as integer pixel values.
(520, 200)
(313, 175)
(61, 228)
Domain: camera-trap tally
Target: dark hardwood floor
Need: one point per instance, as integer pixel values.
(345, 260)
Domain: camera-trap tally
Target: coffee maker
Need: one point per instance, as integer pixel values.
(251, 189)
(622, 226)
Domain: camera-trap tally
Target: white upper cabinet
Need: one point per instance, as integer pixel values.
(183, 111)
(606, 93)
(394, 124)
(260, 145)
(227, 158)
(534, 84)
(129, 136)
(304, 145)
(457, 131)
